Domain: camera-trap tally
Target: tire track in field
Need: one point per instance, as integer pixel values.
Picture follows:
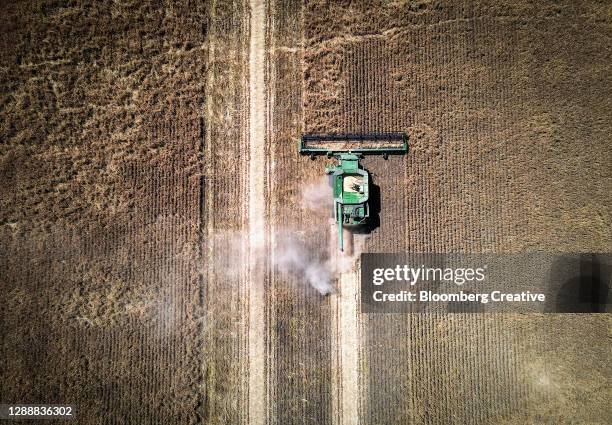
(346, 387)
(257, 214)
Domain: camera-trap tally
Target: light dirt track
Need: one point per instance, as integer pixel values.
(347, 349)
(148, 149)
(258, 235)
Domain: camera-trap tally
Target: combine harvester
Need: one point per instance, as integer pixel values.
(349, 180)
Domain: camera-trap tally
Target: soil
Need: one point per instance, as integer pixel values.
(130, 149)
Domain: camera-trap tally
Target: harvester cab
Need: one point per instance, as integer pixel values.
(350, 181)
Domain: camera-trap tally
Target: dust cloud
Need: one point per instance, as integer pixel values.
(317, 197)
(295, 258)
(295, 253)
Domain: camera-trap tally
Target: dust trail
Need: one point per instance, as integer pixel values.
(292, 256)
(296, 252)
(318, 196)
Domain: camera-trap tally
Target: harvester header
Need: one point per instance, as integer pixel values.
(366, 144)
(349, 180)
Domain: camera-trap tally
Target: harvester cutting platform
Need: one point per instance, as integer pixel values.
(349, 180)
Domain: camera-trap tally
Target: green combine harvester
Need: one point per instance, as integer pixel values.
(349, 180)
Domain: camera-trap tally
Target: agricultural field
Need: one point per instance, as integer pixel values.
(165, 251)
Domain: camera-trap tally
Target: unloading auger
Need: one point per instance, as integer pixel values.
(349, 180)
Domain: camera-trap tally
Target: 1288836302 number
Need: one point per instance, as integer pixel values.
(36, 411)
